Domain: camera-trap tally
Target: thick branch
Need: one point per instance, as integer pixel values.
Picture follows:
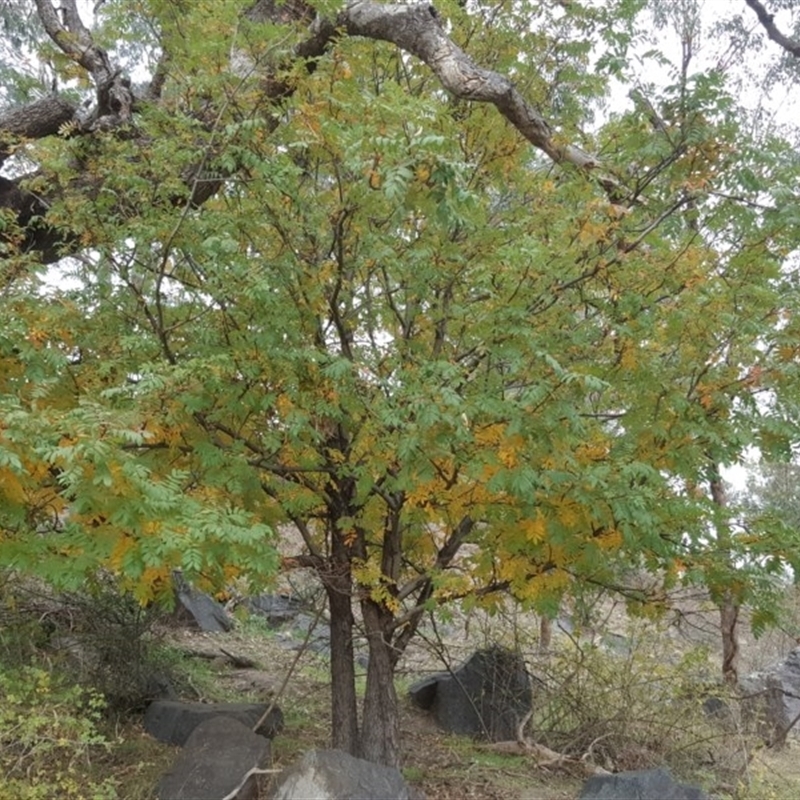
(115, 99)
(767, 21)
(34, 121)
(74, 39)
(418, 30)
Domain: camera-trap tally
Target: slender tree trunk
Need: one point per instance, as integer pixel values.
(380, 727)
(726, 601)
(728, 623)
(545, 633)
(344, 706)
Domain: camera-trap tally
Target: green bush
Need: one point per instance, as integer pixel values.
(48, 737)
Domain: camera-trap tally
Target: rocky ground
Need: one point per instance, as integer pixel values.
(448, 767)
(611, 693)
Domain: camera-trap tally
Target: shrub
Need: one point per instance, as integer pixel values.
(637, 706)
(48, 737)
(100, 636)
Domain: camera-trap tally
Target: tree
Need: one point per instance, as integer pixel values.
(769, 500)
(773, 487)
(306, 278)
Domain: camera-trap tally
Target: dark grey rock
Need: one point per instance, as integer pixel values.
(773, 696)
(487, 696)
(217, 757)
(277, 609)
(647, 784)
(334, 775)
(205, 611)
(423, 692)
(716, 708)
(173, 721)
(158, 684)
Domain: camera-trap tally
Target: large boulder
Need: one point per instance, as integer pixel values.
(218, 761)
(173, 721)
(334, 775)
(773, 696)
(486, 696)
(646, 784)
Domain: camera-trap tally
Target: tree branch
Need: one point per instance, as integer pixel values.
(418, 30)
(115, 98)
(767, 21)
(35, 120)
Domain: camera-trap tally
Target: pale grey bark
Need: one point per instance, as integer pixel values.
(114, 98)
(418, 30)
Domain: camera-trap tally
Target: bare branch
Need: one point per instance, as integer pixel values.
(767, 21)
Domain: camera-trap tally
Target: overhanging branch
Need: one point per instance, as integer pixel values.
(767, 21)
(418, 30)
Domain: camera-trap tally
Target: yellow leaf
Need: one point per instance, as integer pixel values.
(535, 529)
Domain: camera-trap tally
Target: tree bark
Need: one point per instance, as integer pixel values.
(791, 46)
(380, 725)
(344, 704)
(729, 629)
(545, 633)
(726, 601)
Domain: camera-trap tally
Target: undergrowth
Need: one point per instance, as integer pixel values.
(49, 734)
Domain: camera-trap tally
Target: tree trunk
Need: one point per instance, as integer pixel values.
(344, 707)
(545, 633)
(728, 624)
(380, 728)
(725, 599)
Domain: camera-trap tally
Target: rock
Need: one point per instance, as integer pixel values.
(716, 708)
(773, 696)
(277, 609)
(173, 721)
(204, 611)
(486, 696)
(646, 784)
(158, 684)
(423, 692)
(334, 775)
(215, 762)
